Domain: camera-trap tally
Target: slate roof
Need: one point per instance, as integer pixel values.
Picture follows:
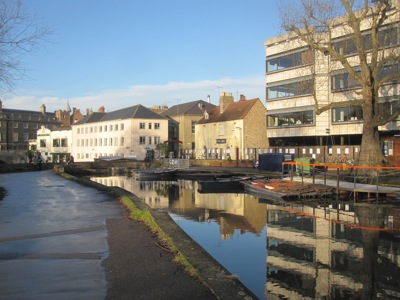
(26, 112)
(234, 111)
(190, 108)
(132, 112)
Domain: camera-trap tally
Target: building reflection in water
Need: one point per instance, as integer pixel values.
(335, 251)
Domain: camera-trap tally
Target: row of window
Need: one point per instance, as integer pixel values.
(101, 128)
(344, 81)
(114, 127)
(61, 142)
(142, 125)
(115, 141)
(25, 125)
(16, 137)
(339, 114)
(292, 89)
(388, 37)
(340, 80)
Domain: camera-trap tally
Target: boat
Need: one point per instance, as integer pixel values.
(155, 174)
(224, 183)
(280, 189)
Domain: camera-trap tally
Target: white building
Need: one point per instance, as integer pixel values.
(54, 145)
(127, 132)
(296, 75)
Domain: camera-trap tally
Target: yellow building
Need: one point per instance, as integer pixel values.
(185, 115)
(232, 129)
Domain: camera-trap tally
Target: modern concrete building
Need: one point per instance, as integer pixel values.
(297, 76)
(128, 133)
(235, 130)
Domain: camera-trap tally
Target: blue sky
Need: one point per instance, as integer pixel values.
(118, 53)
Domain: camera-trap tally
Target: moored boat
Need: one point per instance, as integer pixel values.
(284, 189)
(155, 174)
(217, 184)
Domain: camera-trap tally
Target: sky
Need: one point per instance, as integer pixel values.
(119, 53)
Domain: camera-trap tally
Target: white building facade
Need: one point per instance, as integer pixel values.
(54, 145)
(297, 75)
(126, 133)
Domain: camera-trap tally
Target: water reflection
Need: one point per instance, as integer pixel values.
(286, 250)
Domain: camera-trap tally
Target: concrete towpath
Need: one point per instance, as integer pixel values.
(62, 240)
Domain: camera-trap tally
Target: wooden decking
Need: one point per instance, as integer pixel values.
(351, 186)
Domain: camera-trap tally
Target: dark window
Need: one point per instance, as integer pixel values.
(290, 60)
(294, 89)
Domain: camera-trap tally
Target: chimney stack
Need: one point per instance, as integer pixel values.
(224, 100)
(43, 109)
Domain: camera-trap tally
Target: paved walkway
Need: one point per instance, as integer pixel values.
(62, 240)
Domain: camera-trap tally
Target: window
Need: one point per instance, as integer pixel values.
(221, 129)
(111, 141)
(122, 141)
(78, 130)
(100, 128)
(100, 142)
(105, 141)
(122, 126)
(149, 140)
(299, 118)
(142, 125)
(95, 142)
(293, 89)
(105, 128)
(116, 141)
(26, 137)
(142, 140)
(156, 125)
(193, 126)
(343, 81)
(111, 128)
(42, 143)
(346, 114)
(149, 125)
(64, 142)
(388, 37)
(15, 124)
(26, 125)
(299, 58)
(116, 127)
(157, 140)
(86, 130)
(56, 142)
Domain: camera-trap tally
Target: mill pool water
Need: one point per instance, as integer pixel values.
(281, 250)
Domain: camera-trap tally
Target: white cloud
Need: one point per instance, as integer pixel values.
(169, 94)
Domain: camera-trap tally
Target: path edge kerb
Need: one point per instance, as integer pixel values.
(219, 280)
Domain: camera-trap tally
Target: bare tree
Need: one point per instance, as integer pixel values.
(19, 34)
(368, 51)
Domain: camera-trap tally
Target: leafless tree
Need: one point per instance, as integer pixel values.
(373, 65)
(19, 34)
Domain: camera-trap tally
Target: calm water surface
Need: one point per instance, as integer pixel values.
(285, 250)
